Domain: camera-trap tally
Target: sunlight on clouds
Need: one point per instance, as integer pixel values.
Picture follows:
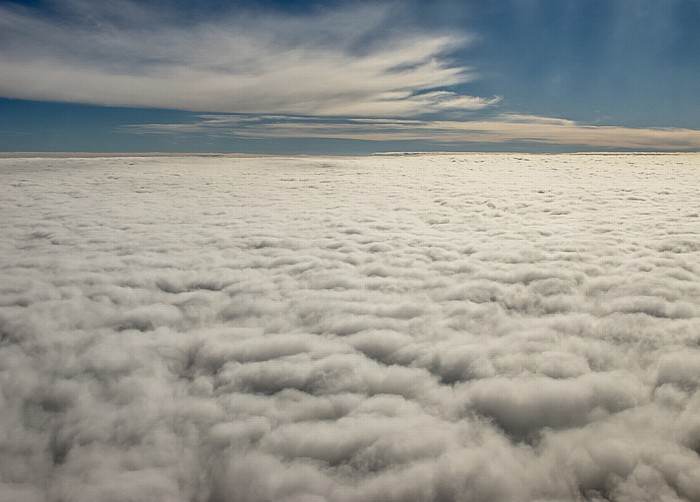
(459, 328)
(316, 64)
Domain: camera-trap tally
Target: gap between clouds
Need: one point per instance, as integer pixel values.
(352, 61)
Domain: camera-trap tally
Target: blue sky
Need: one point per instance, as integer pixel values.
(349, 77)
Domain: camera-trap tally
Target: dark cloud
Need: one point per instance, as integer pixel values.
(481, 327)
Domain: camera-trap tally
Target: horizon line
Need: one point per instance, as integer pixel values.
(82, 154)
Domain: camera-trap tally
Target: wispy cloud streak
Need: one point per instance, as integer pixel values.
(328, 62)
(503, 128)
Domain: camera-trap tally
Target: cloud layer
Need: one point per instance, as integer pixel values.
(481, 327)
(502, 129)
(328, 62)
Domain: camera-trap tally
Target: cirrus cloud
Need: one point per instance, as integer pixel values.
(326, 62)
(501, 129)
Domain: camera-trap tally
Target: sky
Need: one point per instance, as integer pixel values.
(353, 77)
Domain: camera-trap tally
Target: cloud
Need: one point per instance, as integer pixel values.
(326, 62)
(475, 327)
(501, 129)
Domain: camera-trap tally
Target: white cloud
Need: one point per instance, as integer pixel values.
(476, 327)
(329, 62)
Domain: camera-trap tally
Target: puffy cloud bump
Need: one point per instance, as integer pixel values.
(452, 328)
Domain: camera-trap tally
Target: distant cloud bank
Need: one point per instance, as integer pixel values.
(502, 129)
(467, 328)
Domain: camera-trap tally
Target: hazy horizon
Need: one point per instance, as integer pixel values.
(82, 154)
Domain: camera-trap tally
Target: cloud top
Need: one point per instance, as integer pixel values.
(467, 328)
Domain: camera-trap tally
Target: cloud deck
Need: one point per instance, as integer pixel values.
(480, 327)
